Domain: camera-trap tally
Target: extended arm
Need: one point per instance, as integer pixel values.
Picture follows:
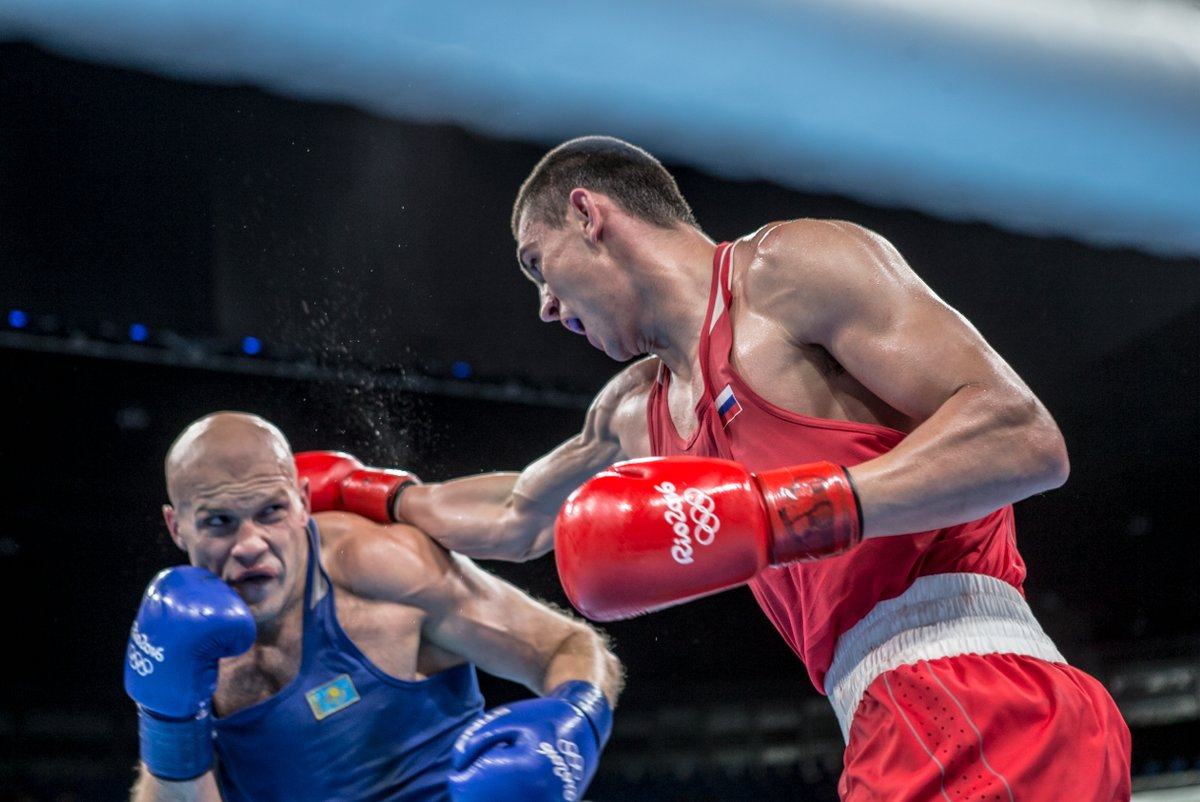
(510, 516)
(502, 515)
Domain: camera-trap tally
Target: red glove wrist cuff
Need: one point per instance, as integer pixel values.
(813, 511)
(371, 492)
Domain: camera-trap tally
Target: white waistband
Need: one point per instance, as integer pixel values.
(938, 616)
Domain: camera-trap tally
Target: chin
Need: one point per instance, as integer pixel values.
(604, 349)
(263, 611)
(619, 356)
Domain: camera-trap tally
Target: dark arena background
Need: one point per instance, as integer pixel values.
(275, 213)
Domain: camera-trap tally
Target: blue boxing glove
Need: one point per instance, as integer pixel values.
(189, 619)
(534, 750)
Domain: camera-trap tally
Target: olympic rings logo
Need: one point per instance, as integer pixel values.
(139, 662)
(143, 653)
(704, 522)
(702, 515)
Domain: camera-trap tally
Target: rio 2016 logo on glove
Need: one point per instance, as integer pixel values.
(705, 522)
(140, 652)
(568, 765)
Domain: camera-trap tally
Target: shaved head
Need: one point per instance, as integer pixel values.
(225, 446)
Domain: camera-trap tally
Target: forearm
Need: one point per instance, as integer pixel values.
(148, 788)
(976, 454)
(510, 516)
(483, 516)
(505, 516)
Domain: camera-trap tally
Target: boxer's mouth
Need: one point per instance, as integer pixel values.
(251, 579)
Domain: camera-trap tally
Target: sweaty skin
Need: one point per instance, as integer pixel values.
(829, 320)
(413, 608)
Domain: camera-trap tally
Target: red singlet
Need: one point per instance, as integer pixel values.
(949, 593)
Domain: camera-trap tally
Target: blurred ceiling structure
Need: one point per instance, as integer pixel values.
(1077, 118)
(1061, 123)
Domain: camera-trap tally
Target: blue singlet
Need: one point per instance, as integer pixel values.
(343, 729)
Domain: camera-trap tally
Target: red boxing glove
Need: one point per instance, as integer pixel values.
(338, 481)
(652, 533)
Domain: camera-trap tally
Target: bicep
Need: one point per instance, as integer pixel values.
(510, 516)
(920, 356)
(614, 430)
(897, 339)
(891, 332)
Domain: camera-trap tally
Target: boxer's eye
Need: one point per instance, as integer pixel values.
(533, 268)
(273, 512)
(214, 522)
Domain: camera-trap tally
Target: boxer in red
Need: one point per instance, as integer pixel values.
(814, 421)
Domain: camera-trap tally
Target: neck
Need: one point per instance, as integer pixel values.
(678, 278)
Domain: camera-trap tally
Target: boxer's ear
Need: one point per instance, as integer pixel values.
(172, 519)
(589, 212)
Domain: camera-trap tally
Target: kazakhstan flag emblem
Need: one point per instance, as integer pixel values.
(335, 695)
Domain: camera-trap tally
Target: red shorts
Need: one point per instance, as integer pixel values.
(981, 728)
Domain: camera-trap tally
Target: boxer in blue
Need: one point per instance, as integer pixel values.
(326, 657)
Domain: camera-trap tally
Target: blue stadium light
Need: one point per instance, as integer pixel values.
(17, 319)
(251, 346)
(139, 333)
(460, 370)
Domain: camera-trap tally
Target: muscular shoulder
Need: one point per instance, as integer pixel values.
(393, 562)
(822, 251)
(809, 275)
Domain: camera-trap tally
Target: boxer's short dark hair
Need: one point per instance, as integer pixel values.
(624, 172)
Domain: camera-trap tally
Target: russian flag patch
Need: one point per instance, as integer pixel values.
(727, 406)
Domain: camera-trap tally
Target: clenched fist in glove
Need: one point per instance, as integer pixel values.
(534, 750)
(338, 481)
(652, 533)
(188, 620)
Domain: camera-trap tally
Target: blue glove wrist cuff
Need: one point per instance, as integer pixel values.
(176, 749)
(590, 701)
